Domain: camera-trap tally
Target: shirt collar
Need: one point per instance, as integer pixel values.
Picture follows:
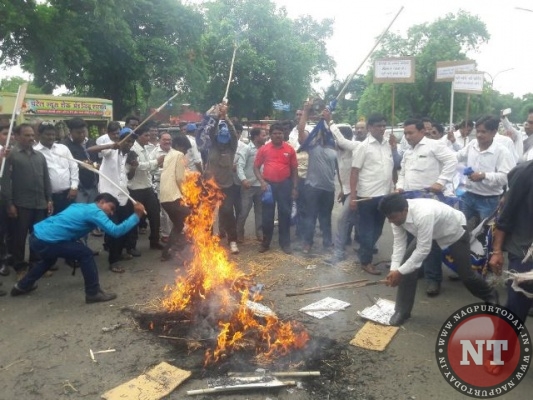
(491, 149)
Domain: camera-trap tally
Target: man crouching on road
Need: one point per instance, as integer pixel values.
(57, 236)
(427, 220)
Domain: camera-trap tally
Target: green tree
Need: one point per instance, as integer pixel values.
(277, 58)
(12, 85)
(448, 38)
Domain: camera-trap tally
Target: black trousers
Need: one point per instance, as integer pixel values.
(5, 238)
(226, 213)
(281, 192)
(116, 245)
(460, 252)
(149, 199)
(61, 201)
(19, 228)
(177, 213)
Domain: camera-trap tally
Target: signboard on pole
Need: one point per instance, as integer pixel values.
(445, 70)
(468, 82)
(394, 70)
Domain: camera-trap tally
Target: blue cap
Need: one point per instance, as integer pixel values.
(190, 127)
(126, 131)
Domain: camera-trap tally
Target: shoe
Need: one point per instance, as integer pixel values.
(433, 288)
(97, 232)
(371, 269)
(233, 248)
(287, 250)
(116, 268)
(156, 246)
(99, 297)
(263, 249)
(398, 318)
(17, 291)
(4, 270)
(493, 298)
(142, 231)
(134, 252)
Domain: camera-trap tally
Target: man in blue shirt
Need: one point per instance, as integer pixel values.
(58, 236)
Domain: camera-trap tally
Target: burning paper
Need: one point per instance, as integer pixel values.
(381, 312)
(324, 307)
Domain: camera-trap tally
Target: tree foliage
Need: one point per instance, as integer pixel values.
(448, 38)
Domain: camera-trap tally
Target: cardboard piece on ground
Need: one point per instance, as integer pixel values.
(373, 336)
(379, 312)
(154, 384)
(324, 307)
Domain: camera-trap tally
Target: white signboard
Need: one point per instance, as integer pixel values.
(394, 70)
(468, 82)
(445, 70)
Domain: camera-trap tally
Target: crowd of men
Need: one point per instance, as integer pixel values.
(288, 174)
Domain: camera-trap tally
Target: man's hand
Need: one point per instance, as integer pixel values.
(393, 142)
(50, 208)
(340, 196)
(436, 188)
(393, 278)
(160, 159)
(496, 263)
(307, 106)
(12, 212)
(222, 111)
(139, 209)
(476, 176)
(264, 186)
(72, 194)
(353, 203)
(246, 184)
(451, 136)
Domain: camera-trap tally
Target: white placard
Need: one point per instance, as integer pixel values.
(392, 70)
(324, 307)
(468, 82)
(445, 70)
(381, 312)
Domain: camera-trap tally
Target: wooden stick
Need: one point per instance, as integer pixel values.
(225, 98)
(16, 111)
(281, 373)
(336, 284)
(339, 286)
(104, 351)
(92, 355)
(240, 388)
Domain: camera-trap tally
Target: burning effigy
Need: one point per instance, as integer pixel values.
(213, 295)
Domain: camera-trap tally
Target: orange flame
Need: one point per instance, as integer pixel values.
(213, 281)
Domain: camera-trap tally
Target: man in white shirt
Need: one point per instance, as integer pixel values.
(162, 149)
(250, 186)
(461, 137)
(140, 186)
(427, 220)
(113, 132)
(119, 166)
(526, 153)
(345, 149)
(427, 165)
(490, 164)
(194, 158)
(370, 179)
(63, 173)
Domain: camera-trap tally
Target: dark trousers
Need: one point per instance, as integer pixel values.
(319, 206)
(226, 213)
(19, 227)
(301, 209)
(281, 193)
(61, 201)
(50, 252)
(149, 199)
(116, 245)
(460, 251)
(370, 227)
(177, 213)
(5, 239)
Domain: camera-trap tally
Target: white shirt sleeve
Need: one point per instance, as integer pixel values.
(504, 164)
(424, 237)
(399, 246)
(448, 161)
(342, 142)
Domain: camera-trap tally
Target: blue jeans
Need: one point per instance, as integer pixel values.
(370, 227)
(473, 205)
(50, 252)
(281, 192)
(301, 209)
(319, 206)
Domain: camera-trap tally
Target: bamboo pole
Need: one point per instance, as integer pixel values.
(225, 98)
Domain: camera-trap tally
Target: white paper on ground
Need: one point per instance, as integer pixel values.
(381, 312)
(326, 306)
(259, 309)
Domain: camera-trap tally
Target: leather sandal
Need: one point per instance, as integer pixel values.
(371, 269)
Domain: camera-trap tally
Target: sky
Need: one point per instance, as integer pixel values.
(357, 24)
